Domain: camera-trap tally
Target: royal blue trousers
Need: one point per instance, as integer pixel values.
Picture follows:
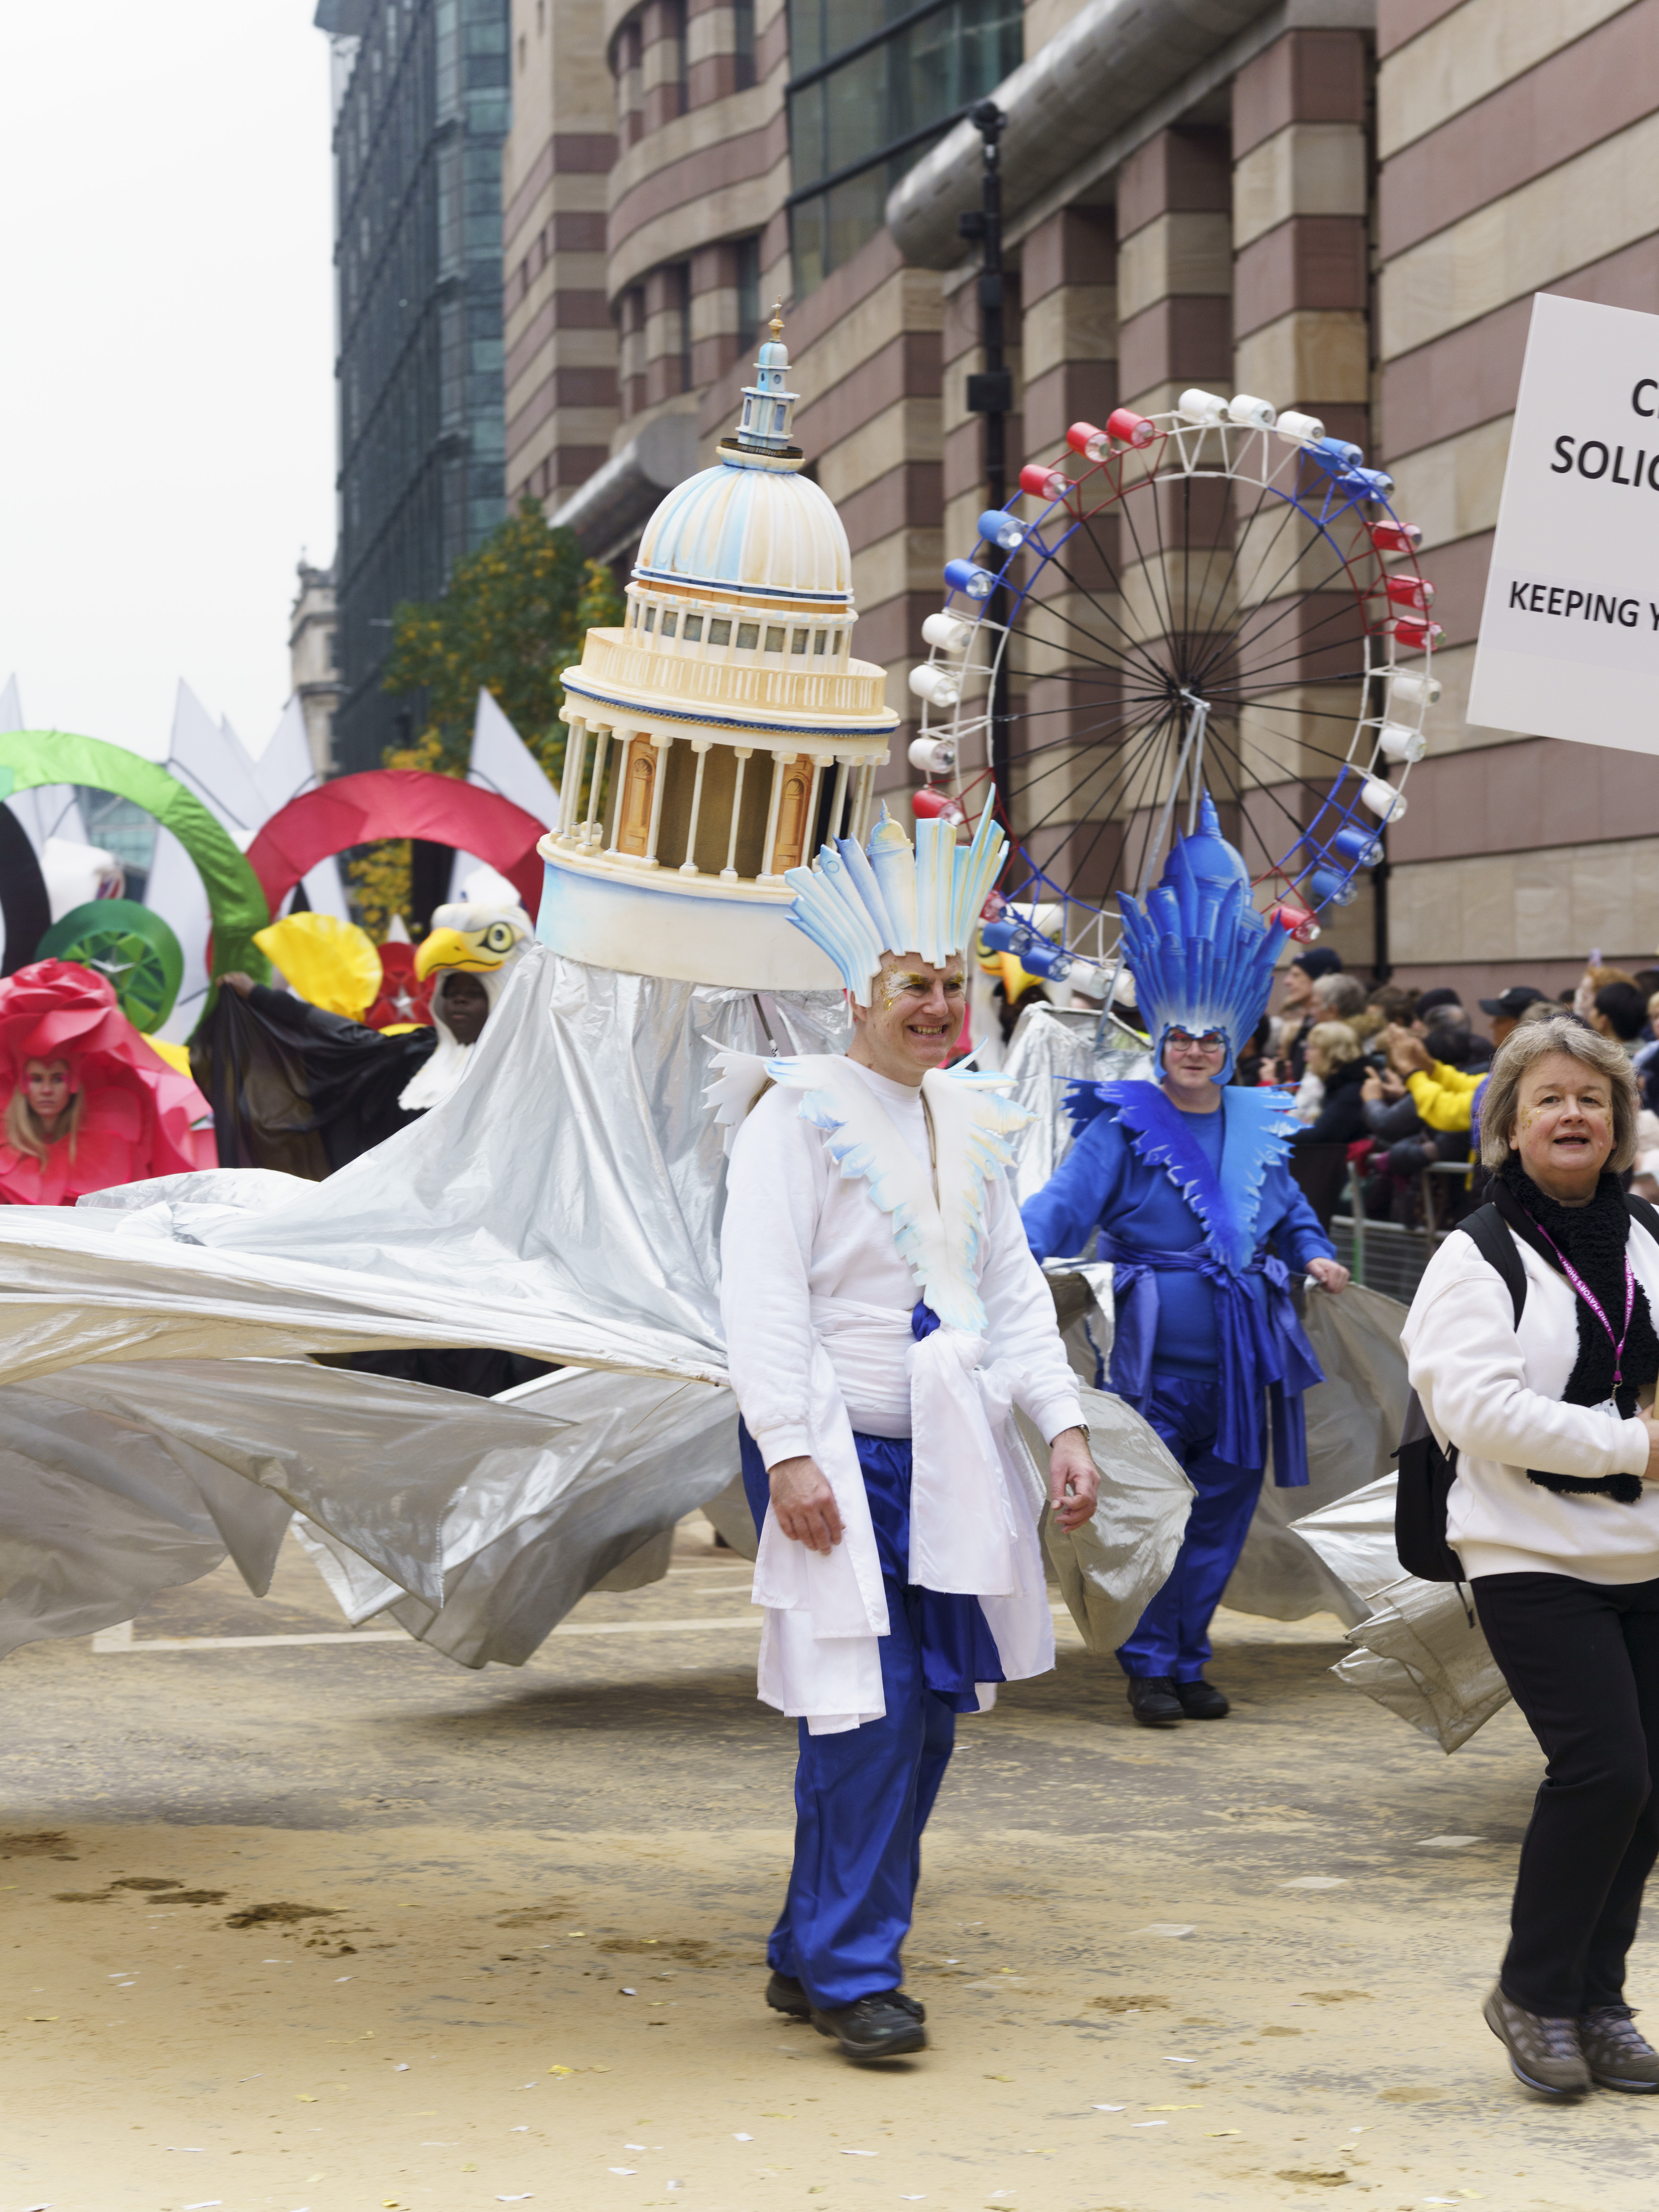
(1172, 1635)
(862, 1797)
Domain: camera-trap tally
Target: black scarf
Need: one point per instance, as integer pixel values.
(1594, 1237)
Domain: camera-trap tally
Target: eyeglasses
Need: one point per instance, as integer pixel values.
(1184, 1040)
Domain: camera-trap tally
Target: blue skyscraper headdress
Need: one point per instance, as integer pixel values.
(857, 904)
(1202, 957)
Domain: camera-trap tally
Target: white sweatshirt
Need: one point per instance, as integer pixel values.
(796, 1230)
(1495, 1392)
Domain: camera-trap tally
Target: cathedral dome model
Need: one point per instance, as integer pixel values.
(724, 732)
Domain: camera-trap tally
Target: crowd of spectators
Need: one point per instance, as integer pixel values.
(1393, 1077)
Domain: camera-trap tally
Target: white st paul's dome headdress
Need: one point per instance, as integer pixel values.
(857, 904)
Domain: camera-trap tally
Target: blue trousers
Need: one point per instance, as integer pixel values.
(862, 1797)
(1172, 1635)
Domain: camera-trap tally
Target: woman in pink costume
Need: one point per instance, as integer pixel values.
(85, 1100)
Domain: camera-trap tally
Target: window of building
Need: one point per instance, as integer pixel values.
(742, 42)
(693, 628)
(719, 632)
(775, 640)
(747, 251)
(748, 637)
(650, 620)
(820, 641)
(799, 643)
(669, 624)
(873, 84)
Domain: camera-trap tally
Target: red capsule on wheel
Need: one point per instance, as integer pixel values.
(1395, 537)
(1129, 429)
(1410, 591)
(1042, 482)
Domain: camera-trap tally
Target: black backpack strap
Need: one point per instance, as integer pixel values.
(1641, 1212)
(1490, 1234)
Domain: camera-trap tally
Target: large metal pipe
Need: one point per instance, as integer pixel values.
(619, 499)
(1113, 60)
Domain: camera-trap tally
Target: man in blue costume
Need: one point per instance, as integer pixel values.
(1186, 1183)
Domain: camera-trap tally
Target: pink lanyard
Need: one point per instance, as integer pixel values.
(1595, 1303)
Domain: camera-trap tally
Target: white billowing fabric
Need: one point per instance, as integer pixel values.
(817, 1302)
(1495, 1392)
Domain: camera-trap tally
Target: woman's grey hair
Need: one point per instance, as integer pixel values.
(1340, 996)
(1532, 1041)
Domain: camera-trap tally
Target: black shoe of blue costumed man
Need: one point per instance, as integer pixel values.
(785, 1994)
(1202, 1701)
(1153, 1702)
(884, 2027)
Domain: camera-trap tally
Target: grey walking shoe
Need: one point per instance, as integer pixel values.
(1619, 2055)
(1545, 2055)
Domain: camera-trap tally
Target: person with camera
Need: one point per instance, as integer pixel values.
(1554, 1517)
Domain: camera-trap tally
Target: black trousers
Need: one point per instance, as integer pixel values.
(1582, 1661)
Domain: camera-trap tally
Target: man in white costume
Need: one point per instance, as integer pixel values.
(882, 1316)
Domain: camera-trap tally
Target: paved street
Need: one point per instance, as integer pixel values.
(309, 1925)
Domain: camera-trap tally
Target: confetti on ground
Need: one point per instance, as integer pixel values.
(203, 2203)
(1149, 2123)
(1169, 2059)
(1317, 1882)
(338, 1978)
(1166, 1928)
(1109, 2108)
(401, 2067)
(622, 2169)
(560, 2070)
(998, 2077)
(628, 1993)
(860, 2153)
(1444, 1844)
(743, 2139)
(525, 2199)
(1215, 2133)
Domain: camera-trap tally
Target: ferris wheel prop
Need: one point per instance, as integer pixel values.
(1218, 596)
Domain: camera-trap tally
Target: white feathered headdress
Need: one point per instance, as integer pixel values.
(859, 904)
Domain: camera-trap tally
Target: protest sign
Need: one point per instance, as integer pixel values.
(1569, 644)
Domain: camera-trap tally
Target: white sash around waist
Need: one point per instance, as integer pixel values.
(973, 1519)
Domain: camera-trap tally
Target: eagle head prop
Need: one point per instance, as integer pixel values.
(477, 938)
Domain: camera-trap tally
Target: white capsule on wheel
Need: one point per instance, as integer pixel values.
(1205, 407)
(938, 686)
(1299, 429)
(1383, 800)
(948, 632)
(933, 755)
(1409, 687)
(1252, 414)
(1400, 742)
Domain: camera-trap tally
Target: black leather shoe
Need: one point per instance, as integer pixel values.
(884, 2027)
(785, 1994)
(1202, 1701)
(1153, 1702)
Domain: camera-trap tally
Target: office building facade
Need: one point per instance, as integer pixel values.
(421, 107)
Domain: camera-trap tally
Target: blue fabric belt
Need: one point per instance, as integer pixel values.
(1262, 1345)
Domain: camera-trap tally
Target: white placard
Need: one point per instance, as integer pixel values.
(1569, 643)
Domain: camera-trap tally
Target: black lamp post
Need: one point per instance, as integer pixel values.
(991, 393)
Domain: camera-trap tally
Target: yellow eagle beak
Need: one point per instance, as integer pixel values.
(450, 948)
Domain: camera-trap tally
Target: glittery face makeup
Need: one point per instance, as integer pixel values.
(898, 983)
(1564, 1125)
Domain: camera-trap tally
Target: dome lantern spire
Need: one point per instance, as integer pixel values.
(767, 407)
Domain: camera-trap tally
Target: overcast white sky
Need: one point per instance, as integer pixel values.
(166, 390)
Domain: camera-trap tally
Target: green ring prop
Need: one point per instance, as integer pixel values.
(236, 902)
(132, 947)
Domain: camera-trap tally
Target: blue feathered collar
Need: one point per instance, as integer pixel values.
(1257, 1128)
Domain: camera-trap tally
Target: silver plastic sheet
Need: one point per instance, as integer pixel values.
(1109, 1570)
(1050, 1049)
(1288, 1570)
(563, 1202)
(1419, 1653)
(478, 1522)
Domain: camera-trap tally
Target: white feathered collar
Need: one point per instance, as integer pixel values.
(939, 1239)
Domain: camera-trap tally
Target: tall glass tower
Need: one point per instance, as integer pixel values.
(422, 93)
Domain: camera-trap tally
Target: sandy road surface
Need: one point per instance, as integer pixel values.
(301, 1924)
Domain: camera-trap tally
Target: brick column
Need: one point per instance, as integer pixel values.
(1302, 339)
(1174, 271)
(1067, 721)
(1299, 229)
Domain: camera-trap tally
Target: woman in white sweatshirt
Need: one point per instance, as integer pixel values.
(1554, 1515)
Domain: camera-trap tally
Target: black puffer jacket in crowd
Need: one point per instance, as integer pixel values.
(1342, 1117)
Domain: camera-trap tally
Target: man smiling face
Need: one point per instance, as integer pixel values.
(914, 1018)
